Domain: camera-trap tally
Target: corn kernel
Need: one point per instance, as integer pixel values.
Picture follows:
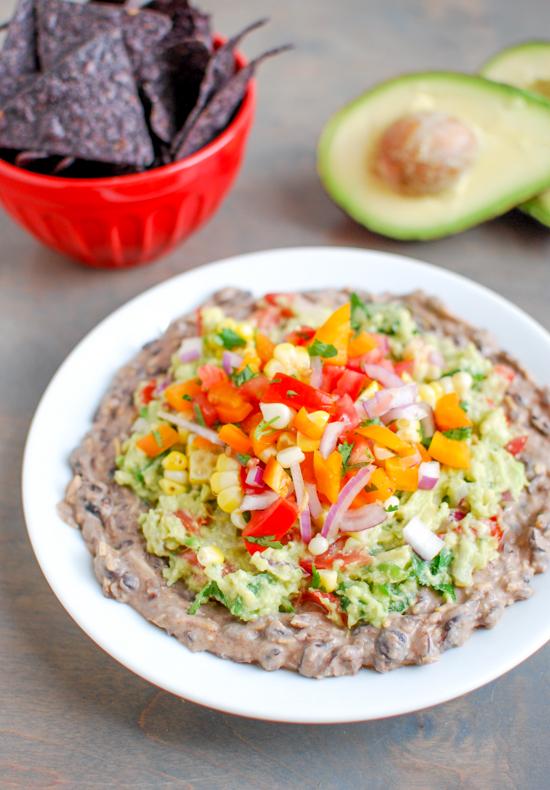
(462, 382)
(227, 464)
(408, 430)
(289, 359)
(430, 393)
(318, 545)
(221, 480)
(170, 488)
(306, 444)
(328, 579)
(230, 498)
(201, 465)
(370, 392)
(176, 477)
(278, 415)
(175, 461)
(210, 555)
(289, 456)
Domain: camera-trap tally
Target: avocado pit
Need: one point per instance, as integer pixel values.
(425, 153)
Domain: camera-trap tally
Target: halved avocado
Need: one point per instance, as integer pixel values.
(526, 66)
(512, 163)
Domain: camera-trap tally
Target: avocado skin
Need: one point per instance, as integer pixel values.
(338, 191)
(539, 206)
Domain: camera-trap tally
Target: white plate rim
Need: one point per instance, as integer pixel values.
(295, 688)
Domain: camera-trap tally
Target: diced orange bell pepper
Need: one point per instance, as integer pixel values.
(404, 479)
(449, 451)
(200, 443)
(306, 444)
(286, 439)
(229, 403)
(423, 452)
(311, 425)
(449, 414)
(180, 395)
(336, 332)
(362, 344)
(276, 478)
(235, 438)
(264, 347)
(386, 438)
(328, 474)
(383, 489)
(158, 441)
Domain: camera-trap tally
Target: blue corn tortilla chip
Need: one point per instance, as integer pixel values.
(221, 108)
(64, 25)
(187, 22)
(171, 84)
(18, 55)
(220, 69)
(87, 106)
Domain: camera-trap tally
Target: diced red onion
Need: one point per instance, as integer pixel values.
(458, 515)
(507, 496)
(330, 437)
(436, 358)
(190, 349)
(383, 344)
(305, 525)
(384, 376)
(428, 475)
(413, 411)
(230, 361)
(345, 498)
(389, 399)
(194, 427)
(316, 372)
(255, 476)
(364, 518)
(258, 501)
(162, 384)
(425, 542)
(314, 504)
(382, 453)
(428, 423)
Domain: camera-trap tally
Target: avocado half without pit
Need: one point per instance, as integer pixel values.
(430, 154)
(526, 66)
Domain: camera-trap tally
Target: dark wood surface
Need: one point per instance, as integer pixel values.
(69, 715)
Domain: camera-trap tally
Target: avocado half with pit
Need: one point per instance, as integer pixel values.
(430, 154)
(526, 66)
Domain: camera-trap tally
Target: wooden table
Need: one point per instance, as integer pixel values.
(71, 716)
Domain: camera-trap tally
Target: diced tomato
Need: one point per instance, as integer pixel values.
(210, 375)
(276, 520)
(285, 389)
(301, 336)
(229, 402)
(328, 602)
(335, 552)
(187, 520)
(351, 383)
(496, 529)
(517, 445)
(148, 392)
(404, 366)
(207, 410)
(345, 407)
(331, 376)
(255, 389)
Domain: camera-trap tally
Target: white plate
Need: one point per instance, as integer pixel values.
(65, 412)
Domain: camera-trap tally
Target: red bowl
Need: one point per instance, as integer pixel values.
(127, 220)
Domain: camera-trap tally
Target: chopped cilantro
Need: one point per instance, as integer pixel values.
(265, 426)
(392, 508)
(320, 349)
(199, 415)
(211, 590)
(315, 577)
(374, 421)
(359, 312)
(435, 574)
(291, 394)
(186, 397)
(243, 458)
(458, 434)
(451, 372)
(463, 405)
(157, 437)
(478, 376)
(265, 540)
(230, 339)
(144, 412)
(242, 376)
(345, 449)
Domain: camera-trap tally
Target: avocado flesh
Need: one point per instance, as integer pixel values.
(512, 128)
(526, 66)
